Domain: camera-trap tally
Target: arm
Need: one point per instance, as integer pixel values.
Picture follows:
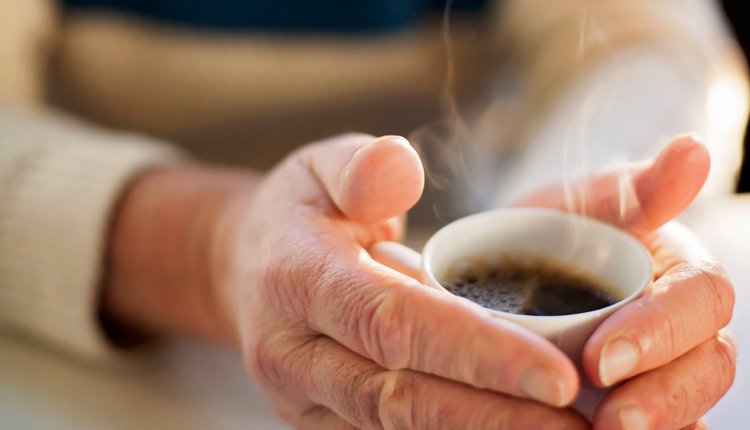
(166, 248)
(277, 266)
(59, 186)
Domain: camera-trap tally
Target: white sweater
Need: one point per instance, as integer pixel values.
(59, 183)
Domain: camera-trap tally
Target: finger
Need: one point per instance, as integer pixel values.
(391, 229)
(688, 303)
(639, 198)
(369, 179)
(322, 418)
(397, 257)
(672, 396)
(398, 323)
(371, 397)
(698, 425)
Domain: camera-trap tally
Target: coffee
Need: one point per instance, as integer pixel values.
(528, 285)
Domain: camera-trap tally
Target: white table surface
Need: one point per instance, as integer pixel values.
(191, 385)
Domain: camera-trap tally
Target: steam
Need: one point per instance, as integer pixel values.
(468, 158)
(448, 146)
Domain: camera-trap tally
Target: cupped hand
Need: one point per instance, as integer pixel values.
(667, 349)
(336, 340)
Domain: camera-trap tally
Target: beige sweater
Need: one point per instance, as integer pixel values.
(223, 95)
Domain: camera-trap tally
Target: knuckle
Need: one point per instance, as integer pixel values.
(721, 292)
(725, 355)
(264, 362)
(669, 336)
(688, 401)
(396, 402)
(388, 330)
(283, 362)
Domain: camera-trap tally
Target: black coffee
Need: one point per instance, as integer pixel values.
(528, 285)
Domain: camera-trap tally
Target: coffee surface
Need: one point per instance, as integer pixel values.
(528, 285)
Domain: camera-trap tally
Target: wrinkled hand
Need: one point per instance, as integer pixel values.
(336, 340)
(667, 346)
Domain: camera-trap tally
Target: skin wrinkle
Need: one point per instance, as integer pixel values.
(285, 361)
(313, 342)
(307, 354)
(366, 329)
(340, 286)
(477, 374)
(667, 328)
(361, 396)
(684, 273)
(357, 392)
(664, 259)
(677, 272)
(694, 397)
(397, 393)
(673, 394)
(281, 279)
(358, 310)
(319, 200)
(704, 389)
(263, 363)
(392, 334)
(365, 398)
(681, 396)
(676, 398)
(316, 275)
(722, 293)
(728, 352)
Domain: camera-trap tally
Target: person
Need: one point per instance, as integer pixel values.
(106, 236)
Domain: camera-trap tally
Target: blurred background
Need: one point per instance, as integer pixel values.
(499, 97)
(738, 14)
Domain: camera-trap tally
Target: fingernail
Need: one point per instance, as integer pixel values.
(394, 138)
(632, 418)
(619, 357)
(362, 149)
(543, 385)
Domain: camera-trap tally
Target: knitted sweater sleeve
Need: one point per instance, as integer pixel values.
(59, 185)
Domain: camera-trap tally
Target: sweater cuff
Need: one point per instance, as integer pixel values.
(60, 188)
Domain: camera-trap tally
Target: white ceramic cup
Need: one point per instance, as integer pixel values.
(592, 246)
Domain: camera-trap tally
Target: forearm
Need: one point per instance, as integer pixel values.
(166, 246)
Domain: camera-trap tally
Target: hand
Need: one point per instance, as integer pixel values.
(336, 340)
(332, 338)
(666, 348)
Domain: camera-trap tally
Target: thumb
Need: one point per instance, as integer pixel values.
(369, 179)
(639, 198)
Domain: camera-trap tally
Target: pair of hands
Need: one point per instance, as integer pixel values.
(337, 340)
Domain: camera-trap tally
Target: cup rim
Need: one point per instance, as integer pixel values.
(427, 251)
